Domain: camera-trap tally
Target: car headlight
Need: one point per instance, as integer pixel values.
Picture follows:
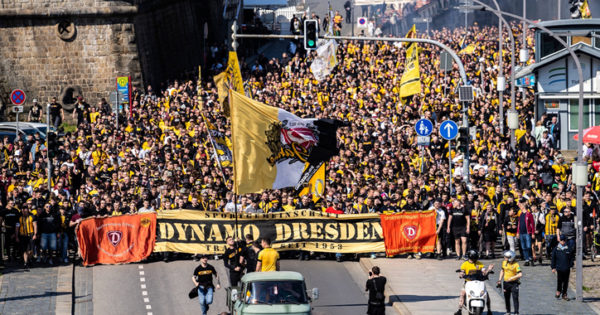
(471, 293)
(482, 293)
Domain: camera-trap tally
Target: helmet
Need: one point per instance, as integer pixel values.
(473, 255)
(510, 255)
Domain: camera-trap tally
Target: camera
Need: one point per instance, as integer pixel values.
(370, 274)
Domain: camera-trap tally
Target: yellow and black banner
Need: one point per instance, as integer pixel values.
(192, 231)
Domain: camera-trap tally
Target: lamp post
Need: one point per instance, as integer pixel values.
(580, 169)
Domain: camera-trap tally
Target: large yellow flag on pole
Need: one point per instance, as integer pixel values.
(410, 83)
(270, 145)
(273, 148)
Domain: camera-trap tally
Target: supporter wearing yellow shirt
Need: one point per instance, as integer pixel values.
(510, 275)
(268, 258)
(469, 268)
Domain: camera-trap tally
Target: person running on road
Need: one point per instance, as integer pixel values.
(268, 258)
(469, 267)
(510, 274)
(459, 223)
(202, 279)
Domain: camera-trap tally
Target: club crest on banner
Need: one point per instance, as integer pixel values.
(410, 232)
(114, 237)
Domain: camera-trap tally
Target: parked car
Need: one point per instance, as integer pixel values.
(26, 128)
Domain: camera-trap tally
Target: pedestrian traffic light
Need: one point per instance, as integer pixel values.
(575, 8)
(311, 34)
(463, 139)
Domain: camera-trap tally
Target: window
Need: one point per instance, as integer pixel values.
(574, 114)
(276, 292)
(550, 45)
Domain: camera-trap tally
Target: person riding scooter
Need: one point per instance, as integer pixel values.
(468, 269)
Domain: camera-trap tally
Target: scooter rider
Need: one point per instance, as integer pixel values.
(510, 275)
(470, 267)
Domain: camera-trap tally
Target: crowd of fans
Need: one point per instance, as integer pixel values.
(159, 157)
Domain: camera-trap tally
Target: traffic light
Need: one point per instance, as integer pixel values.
(52, 143)
(311, 34)
(575, 8)
(463, 139)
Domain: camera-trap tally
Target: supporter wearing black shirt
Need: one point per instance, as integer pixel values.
(56, 113)
(11, 216)
(459, 222)
(231, 260)
(48, 226)
(202, 279)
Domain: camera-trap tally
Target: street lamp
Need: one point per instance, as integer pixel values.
(580, 171)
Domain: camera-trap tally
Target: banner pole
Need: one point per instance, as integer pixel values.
(235, 231)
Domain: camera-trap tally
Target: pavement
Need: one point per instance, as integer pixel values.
(39, 290)
(430, 286)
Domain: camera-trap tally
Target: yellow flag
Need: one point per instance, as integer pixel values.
(468, 50)
(316, 185)
(233, 72)
(221, 85)
(410, 83)
(270, 145)
(585, 10)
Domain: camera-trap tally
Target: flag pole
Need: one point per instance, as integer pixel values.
(235, 231)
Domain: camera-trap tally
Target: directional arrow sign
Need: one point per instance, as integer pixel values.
(424, 127)
(448, 130)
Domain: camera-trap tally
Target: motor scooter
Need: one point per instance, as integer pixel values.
(476, 293)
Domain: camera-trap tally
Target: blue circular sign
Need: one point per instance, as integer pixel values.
(448, 130)
(424, 127)
(17, 97)
(362, 21)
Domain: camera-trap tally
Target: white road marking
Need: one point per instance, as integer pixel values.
(144, 292)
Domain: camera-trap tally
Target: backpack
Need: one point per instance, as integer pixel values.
(379, 297)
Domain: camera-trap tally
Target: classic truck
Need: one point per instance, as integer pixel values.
(278, 292)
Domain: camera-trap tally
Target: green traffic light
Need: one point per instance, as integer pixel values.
(311, 43)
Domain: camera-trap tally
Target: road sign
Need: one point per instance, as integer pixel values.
(448, 130)
(424, 127)
(423, 140)
(446, 61)
(123, 86)
(17, 97)
(362, 22)
(17, 109)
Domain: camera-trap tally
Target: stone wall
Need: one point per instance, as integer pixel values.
(67, 48)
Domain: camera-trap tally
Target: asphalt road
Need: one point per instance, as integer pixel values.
(162, 288)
